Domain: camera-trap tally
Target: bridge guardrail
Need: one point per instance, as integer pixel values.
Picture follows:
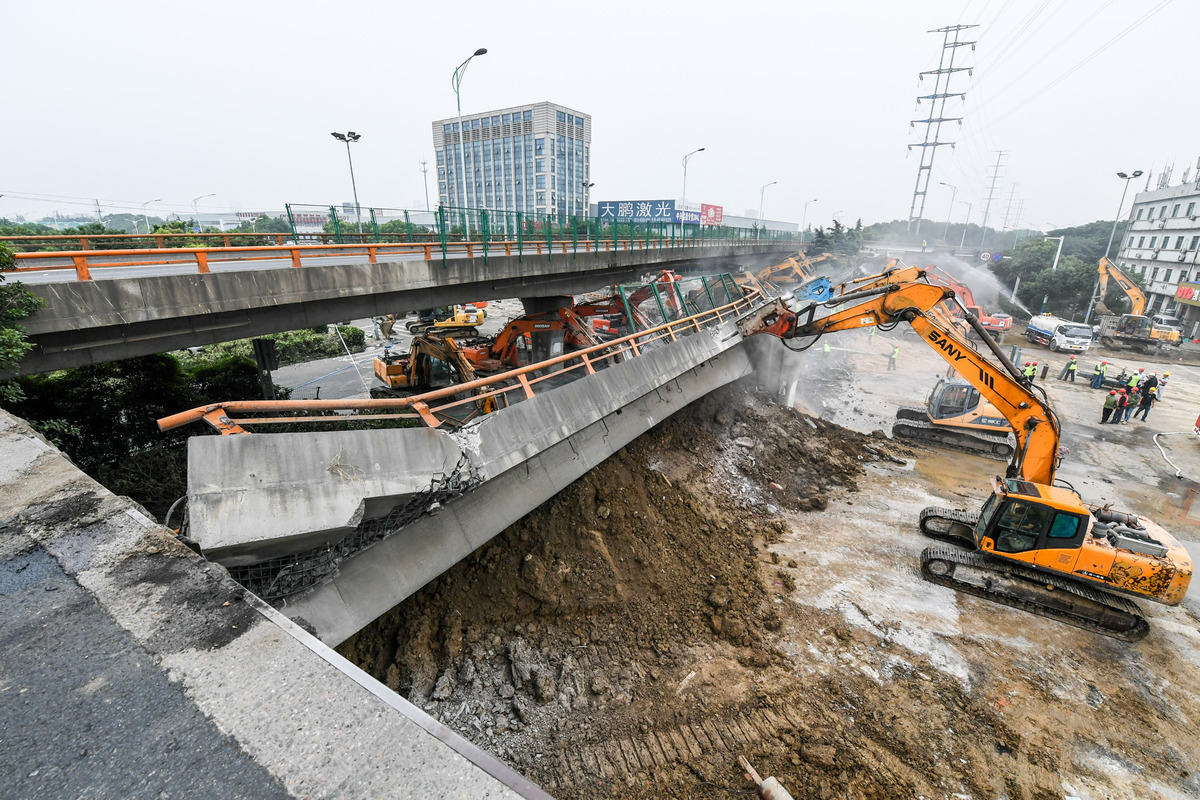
(445, 233)
(438, 407)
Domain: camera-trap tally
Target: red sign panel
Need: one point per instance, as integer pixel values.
(711, 215)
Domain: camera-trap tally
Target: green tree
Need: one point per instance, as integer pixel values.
(16, 303)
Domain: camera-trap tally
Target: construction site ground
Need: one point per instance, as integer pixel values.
(744, 580)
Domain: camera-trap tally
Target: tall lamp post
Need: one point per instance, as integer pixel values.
(762, 192)
(456, 82)
(966, 223)
(804, 224)
(144, 217)
(685, 160)
(348, 137)
(196, 206)
(1095, 289)
(953, 189)
(1127, 178)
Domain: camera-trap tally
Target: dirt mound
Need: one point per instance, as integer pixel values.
(666, 613)
(607, 613)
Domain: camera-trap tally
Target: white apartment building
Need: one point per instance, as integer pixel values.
(533, 158)
(1161, 245)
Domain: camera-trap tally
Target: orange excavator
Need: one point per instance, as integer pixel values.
(504, 351)
(1133, 330)
(795, 269)
(1035, 544)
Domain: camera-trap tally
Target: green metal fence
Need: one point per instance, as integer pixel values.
(509, 232)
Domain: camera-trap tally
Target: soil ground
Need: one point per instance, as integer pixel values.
(743, 580)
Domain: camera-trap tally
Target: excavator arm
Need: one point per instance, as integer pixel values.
(1136, 298)
(1033, 422)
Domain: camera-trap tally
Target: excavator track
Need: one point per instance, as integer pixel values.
(949, 525)
(1018, 586)
(983, 444)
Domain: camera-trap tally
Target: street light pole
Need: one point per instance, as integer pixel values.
(1127, 179)
(1058, 252)
(966, 223)
(953, 189)
(804, 224)
(348, 137)
(762, 192)
(196, 206)
(144, 217)
(456, 83)
(425, 175)
(1096, 288)
(685, 160)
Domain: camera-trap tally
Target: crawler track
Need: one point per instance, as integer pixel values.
(909, 426)
(1036, 592)
(949, 525)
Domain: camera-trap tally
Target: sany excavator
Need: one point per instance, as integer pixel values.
(1035, 544)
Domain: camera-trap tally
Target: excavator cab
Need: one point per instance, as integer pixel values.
(1019, 520)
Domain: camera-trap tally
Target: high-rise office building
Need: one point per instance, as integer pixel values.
(533, 158)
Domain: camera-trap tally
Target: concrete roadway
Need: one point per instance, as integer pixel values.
(239, 265)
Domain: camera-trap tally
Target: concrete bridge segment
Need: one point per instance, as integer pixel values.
(87, 322)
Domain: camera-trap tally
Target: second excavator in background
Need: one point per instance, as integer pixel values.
(1035, 544)
(1132, 331)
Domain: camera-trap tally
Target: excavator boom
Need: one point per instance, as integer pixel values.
(885, 304)
(1136, 298)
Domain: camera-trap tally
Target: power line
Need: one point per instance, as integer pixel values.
(1053, 49)
(1085, 61)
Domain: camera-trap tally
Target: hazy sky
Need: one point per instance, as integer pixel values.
(131, 101)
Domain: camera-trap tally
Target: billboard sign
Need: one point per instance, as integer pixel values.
(637, 210)
(711, 215)
(687, 216)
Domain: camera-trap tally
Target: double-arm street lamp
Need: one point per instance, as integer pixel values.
(685, 160)
(348, 137)
(456, 83)
(1127, 178)
(1137, 173)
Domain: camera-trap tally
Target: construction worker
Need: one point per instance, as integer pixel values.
(826, 350)
(1110, 405)
(1134, 381)
(1149, 382)
(892, 358)
(1122, 404)
(1035, 371)
(1029, 371)
(1098, 374)
(1072, 368)
(1162, 384)
(1148, 398)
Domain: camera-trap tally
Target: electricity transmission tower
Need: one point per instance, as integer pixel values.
(937, 110)
(1000, 154)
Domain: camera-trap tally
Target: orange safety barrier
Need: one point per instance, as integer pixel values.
(83, 261)
(435, 408)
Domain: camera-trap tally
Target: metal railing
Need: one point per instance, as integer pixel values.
(439, 235)
(455, 405)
